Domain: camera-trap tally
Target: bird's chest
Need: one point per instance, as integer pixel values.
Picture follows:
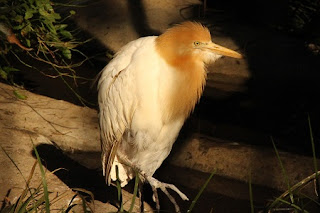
(147, 147)
(180, 90)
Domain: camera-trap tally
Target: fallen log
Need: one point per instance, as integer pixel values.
(74, 129)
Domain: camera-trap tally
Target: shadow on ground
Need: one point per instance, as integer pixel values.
(218, 195)
(75, 175)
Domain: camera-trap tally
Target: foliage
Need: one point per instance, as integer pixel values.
(302, 12)
(304, 20)
(36, 199)
(294, 199)
(194, 201)
(32, 29)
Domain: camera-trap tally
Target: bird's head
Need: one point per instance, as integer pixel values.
(190, 41)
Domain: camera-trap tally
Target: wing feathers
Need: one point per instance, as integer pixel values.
(117, 101)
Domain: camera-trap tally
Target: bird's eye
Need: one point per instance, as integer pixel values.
(197, 43)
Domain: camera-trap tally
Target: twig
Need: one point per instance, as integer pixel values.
(294, 188)
(49, 122)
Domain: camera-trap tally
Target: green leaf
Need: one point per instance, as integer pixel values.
(19, 95)
(52, 17)
(10, 69)
(39, 3)
(70, 45)
(48, 7)
(28, 42)
(72, 12)
(56, 15)
(66, 34)
(26, 29)
(66, 53)
(3, 17)
(28, 14)
(50, 26)
(18, 18)
(43, 12)
(19, 27)
(60, 26)
(25, 6)
(3, 74)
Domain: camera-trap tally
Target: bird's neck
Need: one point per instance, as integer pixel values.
(186, 86)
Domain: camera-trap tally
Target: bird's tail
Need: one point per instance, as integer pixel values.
(109, 163)
(107, 160)
(124, 175)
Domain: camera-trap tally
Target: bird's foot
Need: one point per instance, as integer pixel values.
(155, 184)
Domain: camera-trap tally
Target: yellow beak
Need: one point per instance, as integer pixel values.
(222, 50)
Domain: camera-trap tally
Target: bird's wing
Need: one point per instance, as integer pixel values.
(116, 109)
(117, 103)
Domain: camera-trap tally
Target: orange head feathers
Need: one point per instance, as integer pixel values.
(187, 47)
(190, 41)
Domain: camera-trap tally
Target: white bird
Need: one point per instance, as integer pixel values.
(146, 93)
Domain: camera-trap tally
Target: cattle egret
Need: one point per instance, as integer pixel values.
(146, 93)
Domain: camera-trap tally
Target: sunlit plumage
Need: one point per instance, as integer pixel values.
(146, 93)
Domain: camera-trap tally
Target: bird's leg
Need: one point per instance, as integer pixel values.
(156, 184)
(155, 197)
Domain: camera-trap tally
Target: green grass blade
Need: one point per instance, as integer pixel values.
(36, 205)
(283, 170)
(23, 207)
(294, 188)
(24, 193)
(135, 191)
(315, 164)
(70, 204)
(296, 207)
(250, 194)
(84, 205)
(70, 208)
(6, 205)
(119, 190)
(193, 203)
(312, 145)
(44, 181)
(310, 198)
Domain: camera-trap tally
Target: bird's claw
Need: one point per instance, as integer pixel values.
(155, 184)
